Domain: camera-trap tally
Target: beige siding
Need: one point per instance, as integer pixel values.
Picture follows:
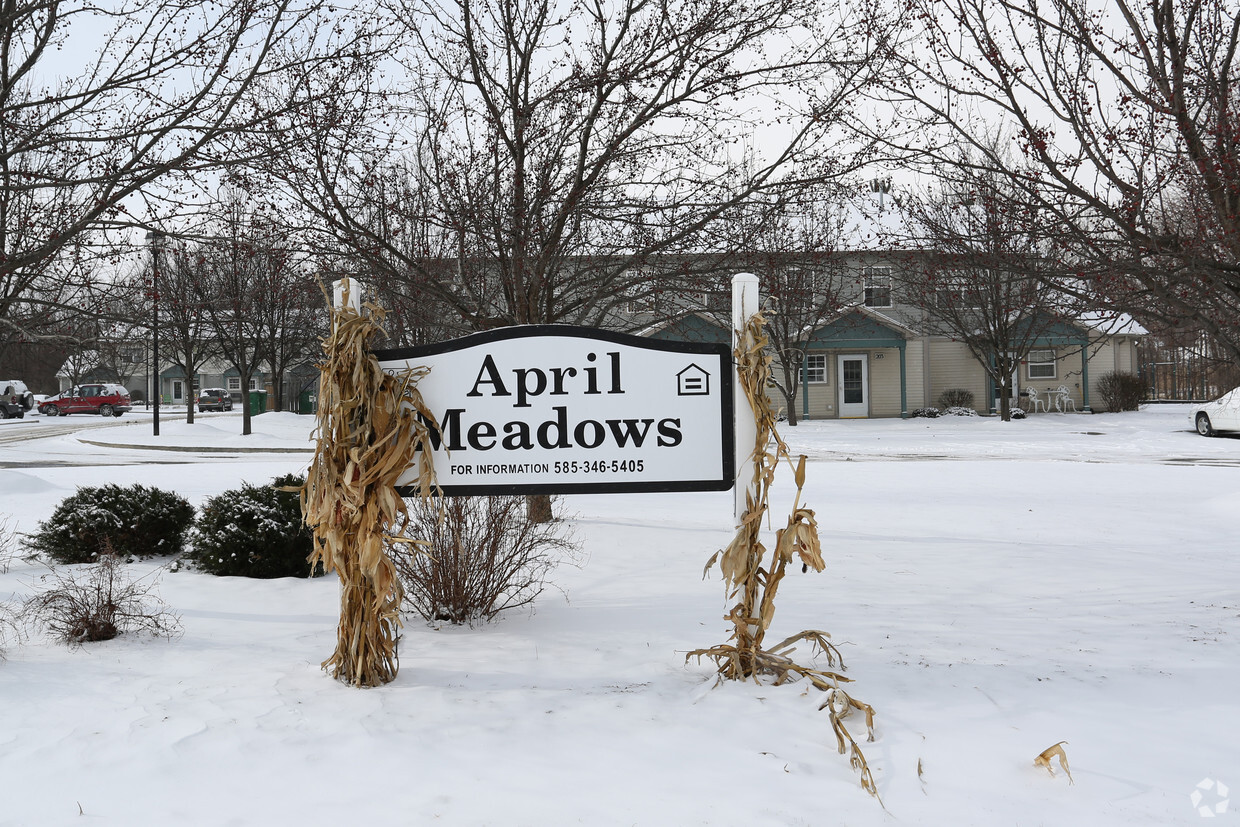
(952, 366)
(914, 365)
(1117, 355)
(884, 382)
(822, 396)
(935, 365)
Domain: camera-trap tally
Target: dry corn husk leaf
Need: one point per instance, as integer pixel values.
(749, 578)
(367, 435)
(1056, 750)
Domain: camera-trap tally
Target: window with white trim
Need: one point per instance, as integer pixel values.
(956, 292)
(816, 368)
(1040, 364)
(878, 287)
(234, 383)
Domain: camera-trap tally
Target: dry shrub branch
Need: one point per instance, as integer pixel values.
(98, 602)
(483, 556)
(8, 543)
(753, 580)
(367, 435)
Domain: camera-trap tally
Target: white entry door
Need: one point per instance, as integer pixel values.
(854, 382)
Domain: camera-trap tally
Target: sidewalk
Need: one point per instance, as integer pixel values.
(273, 432)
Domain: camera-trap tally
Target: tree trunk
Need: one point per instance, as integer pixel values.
(538, 508)
(245, 404)
(1005, 402)
(791, 399)
(191, 398)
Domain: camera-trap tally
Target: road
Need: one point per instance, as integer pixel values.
(41, 427)
(39, 441)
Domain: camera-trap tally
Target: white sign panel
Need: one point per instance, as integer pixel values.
(558, 409)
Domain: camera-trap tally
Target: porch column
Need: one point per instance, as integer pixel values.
(805, 384)
(903, 385)
(1085, 377)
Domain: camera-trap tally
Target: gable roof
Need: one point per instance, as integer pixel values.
(861, 326)
(692, 327)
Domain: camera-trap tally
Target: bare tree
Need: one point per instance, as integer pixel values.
(554, 150)
(1127, 121)
(985, 272)
(294, 320)
(183, 329)
(237, 275)
(794, 250)
(149, 88)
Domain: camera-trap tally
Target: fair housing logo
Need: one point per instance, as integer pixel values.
(1210, 798)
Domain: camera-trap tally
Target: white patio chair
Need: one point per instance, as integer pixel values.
(1063, 399)
(1035, 401)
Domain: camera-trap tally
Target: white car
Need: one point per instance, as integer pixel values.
(1223, 414)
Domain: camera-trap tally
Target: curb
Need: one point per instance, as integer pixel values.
(197, 450)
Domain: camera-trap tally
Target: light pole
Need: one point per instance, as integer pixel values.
(155, 239)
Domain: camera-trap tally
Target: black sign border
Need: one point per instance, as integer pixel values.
(504, 334)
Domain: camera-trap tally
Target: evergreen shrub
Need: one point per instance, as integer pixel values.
(129, 521)
(253, 531)
(925, 413)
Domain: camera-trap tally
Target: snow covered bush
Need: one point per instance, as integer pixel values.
(130, 521)
(1019, 413)
(98, 603)
(253, 531)
(925, 413)
(959, 411)
(484, 556)
(1120, 391)
(956, 398)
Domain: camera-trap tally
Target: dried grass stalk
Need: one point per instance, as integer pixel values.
(754, 581)
(367, 435)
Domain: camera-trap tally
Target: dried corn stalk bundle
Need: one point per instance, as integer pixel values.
(754, 582)
(367, 436)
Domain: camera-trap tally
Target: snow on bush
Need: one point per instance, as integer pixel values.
(253, 531)
(129, 521)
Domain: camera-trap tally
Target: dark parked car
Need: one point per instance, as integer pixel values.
(103, 399)
(15, 400)
(214, 399)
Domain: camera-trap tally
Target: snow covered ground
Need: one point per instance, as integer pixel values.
(995, 588)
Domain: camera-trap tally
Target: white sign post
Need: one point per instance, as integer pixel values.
(558, 409)
(350, 287)
(744, 304)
